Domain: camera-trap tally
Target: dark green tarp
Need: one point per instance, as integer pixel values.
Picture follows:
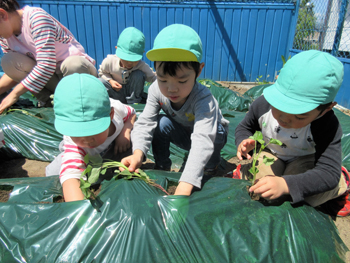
(137, 223)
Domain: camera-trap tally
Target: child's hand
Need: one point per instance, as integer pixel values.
(115, 84)
(184, 189)
(122, 143)
(270, 187)
(244, 148)
(133, 161)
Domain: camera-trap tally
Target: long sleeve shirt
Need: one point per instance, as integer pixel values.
(45, 40)
(73, 163)
(111, 69)
(321, 137)
(200, 114)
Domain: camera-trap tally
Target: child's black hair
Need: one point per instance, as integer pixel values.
(323, 107)
(170, 68)
(9, 5)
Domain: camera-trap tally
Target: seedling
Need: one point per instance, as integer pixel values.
(96, 167)
(258, 138)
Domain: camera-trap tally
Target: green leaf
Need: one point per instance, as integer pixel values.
(103, 171)
(95, 173)
(125, 172)
(87, 170)
(275, 141)
(268, 160)
(95, 159)
(86, 185)
(253, 170)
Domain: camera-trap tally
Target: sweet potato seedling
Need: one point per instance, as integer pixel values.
(258, 138)
(96, 166)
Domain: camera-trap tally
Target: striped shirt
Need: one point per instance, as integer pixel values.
(73, 155)
(45, 40)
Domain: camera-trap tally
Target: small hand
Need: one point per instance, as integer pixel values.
(115, 84)
(122, 143)
(133, 161)
(184, 189)
(244, 148)
(270, 187)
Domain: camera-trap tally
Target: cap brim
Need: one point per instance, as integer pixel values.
(82, 129)
(286, 104)
(126, 56)
(171, 54)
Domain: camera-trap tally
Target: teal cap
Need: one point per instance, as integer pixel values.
(309, 79)
(176, 42)
(131, 44)
(81, 106)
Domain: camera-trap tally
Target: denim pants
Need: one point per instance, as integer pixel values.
(169, 131)
(131, 92)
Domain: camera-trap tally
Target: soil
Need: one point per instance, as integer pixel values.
(23, 167)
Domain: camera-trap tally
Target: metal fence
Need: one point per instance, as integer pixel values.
(324, 25)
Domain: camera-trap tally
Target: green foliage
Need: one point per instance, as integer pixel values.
(96, 166)
(305, 26)
(261, 82)
(258, 138)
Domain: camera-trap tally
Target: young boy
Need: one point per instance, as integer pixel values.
(297, 110)
(124, 74)
(192, 119)
(91, 123)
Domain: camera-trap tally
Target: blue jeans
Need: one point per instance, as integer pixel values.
(169, 131)
(131, 92)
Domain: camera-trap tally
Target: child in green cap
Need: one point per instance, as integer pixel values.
(192, 119)
(297, 110)
(91, 123)
(124, 74)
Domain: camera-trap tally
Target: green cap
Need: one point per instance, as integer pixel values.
(81, 105)
(309, 79)
(131, 44)
(176, 42)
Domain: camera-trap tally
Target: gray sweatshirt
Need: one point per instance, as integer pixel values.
(200, 114)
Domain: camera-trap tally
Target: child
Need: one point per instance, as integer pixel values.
(124, 74)
(297, 110)
(91, 123)
(38, 52)
(192, 119)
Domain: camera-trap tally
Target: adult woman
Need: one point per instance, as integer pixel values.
(38, 52)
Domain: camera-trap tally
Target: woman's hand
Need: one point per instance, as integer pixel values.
(13, 97)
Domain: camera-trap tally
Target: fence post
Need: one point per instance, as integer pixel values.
(338, 33)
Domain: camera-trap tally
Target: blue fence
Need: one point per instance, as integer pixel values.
(241, 40)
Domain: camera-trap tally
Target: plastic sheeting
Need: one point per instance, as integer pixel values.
(32, 136)
(137, 223)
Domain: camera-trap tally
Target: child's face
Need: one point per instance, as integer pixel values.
(128, 64)
(91, 141)
(176, 88)
(296, 121)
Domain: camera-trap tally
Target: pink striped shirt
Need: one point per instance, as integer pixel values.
(73, 163)
(46, 40)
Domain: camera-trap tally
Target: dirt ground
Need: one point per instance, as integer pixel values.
(23, 167)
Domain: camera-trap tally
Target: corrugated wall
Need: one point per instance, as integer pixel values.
(241, 41)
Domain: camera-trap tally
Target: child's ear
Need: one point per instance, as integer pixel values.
(112, 113)
(3, 15)
(330, 107)
(201, 66)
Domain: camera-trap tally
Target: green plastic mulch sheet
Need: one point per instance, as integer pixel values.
(134, 222)
(137, 223)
